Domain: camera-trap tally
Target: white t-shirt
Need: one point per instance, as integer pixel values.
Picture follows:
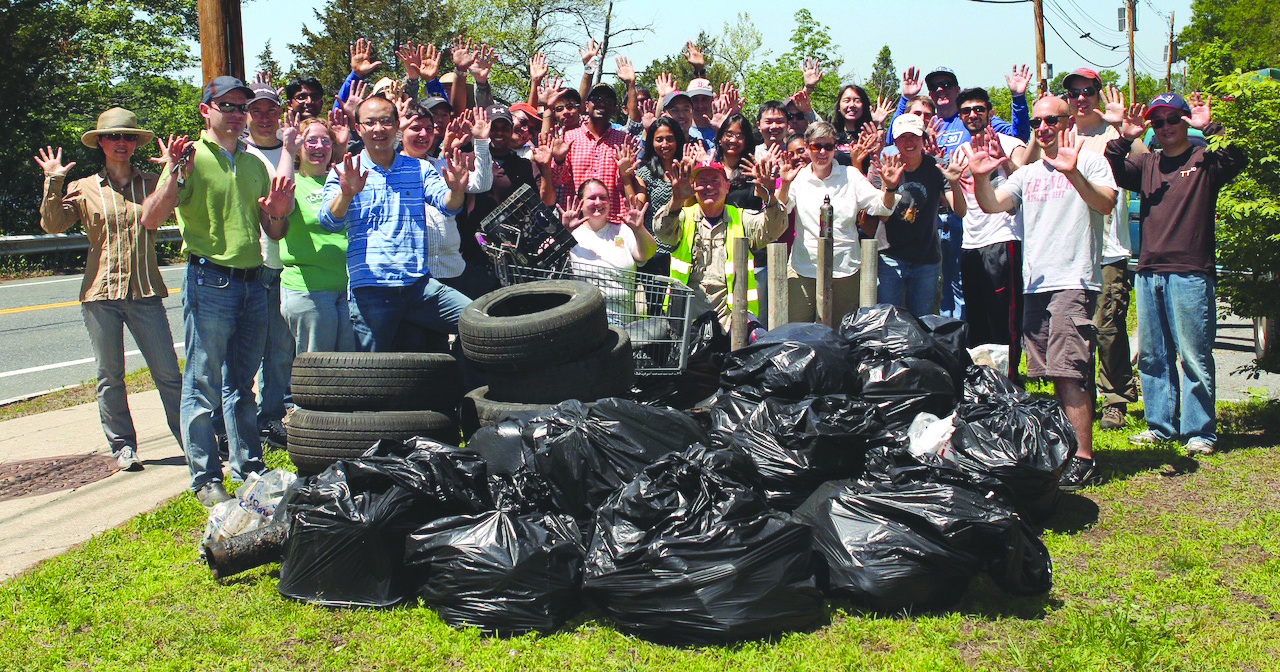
(982, 228)
(1116, 242)
(271, 159)
(850, 192)
(1062, 235)
(609, 253)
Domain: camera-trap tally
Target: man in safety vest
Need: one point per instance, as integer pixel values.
(702, 258)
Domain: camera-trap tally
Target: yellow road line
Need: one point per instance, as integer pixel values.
(62, 304)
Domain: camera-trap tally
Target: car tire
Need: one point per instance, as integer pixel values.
(376, 381)
(478, 410)
(543, 322)
(319, 438)
(609, 371)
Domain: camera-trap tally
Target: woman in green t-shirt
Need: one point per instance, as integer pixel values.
(313, 285)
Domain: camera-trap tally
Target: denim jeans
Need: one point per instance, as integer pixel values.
(320, 320)
(907, 285)
(226, 329)
(951, 230)
(277, 358)
(149, 324)
(1177, 320)
(394, 319)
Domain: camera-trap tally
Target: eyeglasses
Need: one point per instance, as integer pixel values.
(303, 95)
(318, 142)
(973, 109)
(1158, 123)
(227, 108)
(385, 122)
(127, 137)
(731, 135)
(1051, 120)
(1086, 91)
(565, 106)
(823, 147)
(942, 85)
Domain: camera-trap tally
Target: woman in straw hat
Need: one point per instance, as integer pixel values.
(122, 283)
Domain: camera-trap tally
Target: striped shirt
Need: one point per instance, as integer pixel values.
(386, 222)
(122, 254)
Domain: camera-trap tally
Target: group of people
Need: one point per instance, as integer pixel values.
(312, 227)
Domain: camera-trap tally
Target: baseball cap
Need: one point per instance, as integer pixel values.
(496, 112)
(940, 71)
(708, 165)
(265, 92)
(671, 98)
(1170, 100)
(526, 108)
(382, 86)
(908, 123)
(700, 87)
(432, 102)
(1086, 73)
(221, 86)
(604, 88)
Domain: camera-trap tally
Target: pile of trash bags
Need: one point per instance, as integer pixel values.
(873, 463)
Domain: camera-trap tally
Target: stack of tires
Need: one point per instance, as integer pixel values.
(539, 344)
(348, 400)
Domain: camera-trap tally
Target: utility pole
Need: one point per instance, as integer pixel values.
(1040, 72)
(1168, 72)
(1133, 79)
(221, 39)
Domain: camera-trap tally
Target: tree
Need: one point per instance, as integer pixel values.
(782, 78)
(739, 48)
(717, 72)
(267, 63)
(884, 76)
(612, 39)
(1228, 35)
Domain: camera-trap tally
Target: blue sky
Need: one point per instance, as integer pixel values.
(980, 41)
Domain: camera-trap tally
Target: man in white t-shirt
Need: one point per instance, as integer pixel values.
(1065, 196)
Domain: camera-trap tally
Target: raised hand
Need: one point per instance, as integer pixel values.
(636, 206)
(695, 152)
(624, 71)
(1134, 124)
(355, 96)
(1018, 80)
(279, 201)
(176, 155)
(540, 154)
(479, 123)
(729, 93)
(555, 143)
(404, 109)
(665, 83)
(719, 111)
(626, 159)
(350, 177)
(537, 68)
(289, 135)
(421, 61)
(463, 53)
(483, 64)
(648, 112)
(803, 101)
(589, 51)
(457, 131)
(362, 62)
(694, 56)
(987, 155)
(1065, 160)
(911, 82)
(788, 171)
(456, 171)
(549, 91)
(571, 216)
(890, 169)
(812, 73)
(1112, 105)
(954, 170)
(679, 175)
(50, 161)
(881, 112)
(1201, 115)
(868, 144)
(341, 129)
(263, 77)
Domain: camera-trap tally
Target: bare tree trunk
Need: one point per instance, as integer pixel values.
(604, 44)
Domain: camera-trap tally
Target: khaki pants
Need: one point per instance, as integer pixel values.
(802, 297)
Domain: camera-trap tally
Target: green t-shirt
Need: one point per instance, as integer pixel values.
(314, 259)
(218, 206)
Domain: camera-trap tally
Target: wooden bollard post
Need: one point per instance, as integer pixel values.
(738, 318)
(779, 309)
(868, 272)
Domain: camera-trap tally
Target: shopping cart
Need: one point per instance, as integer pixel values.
(525, 232)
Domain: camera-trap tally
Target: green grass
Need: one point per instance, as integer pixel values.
(1171, 564)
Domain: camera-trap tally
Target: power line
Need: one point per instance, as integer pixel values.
(1078, 54)
(1094, 21)
(1083, 33)
(1001, 2)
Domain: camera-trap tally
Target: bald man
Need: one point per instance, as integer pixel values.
(1065, 194)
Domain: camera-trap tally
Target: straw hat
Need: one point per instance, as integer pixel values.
(116, 120)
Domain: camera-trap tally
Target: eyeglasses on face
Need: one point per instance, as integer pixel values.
(385, 122)
(1051, 120)
(227, 108)
(1158, 123)
(1086, 91)
(973, 109)
(127, 137)
(565, 106)
(318, 142)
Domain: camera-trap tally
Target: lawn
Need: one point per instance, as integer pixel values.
(1169, 564)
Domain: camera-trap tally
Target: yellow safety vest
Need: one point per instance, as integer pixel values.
(682, 256)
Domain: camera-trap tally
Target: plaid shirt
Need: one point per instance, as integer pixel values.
(591, 156)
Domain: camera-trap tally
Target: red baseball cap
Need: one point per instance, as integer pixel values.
(710, 165)
(526, 108)
(1082, 72)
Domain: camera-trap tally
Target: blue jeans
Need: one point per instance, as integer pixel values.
(320, 320)
(226, 329)
(1176, 320)
(951, 230)
(149, 324)
(393, 319)
(907, 285)
(277, 358)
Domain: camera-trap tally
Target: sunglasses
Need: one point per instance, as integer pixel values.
(227, 108)
(1051, 120)
(1086, 91)
(127, 137)
(973, 109)
(823, 147)
(942, 85)
(1158, 123)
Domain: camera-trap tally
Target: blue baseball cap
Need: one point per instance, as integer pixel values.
(1170, 100)
(221, 86)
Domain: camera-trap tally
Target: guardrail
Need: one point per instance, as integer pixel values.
(67, 242)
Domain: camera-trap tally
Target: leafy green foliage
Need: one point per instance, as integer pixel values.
(267, 63)
(1228, 35)
(740, 47)
(780, 79)
(717, 71)
(884, 76)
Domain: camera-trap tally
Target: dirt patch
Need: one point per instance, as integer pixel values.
(51, 474)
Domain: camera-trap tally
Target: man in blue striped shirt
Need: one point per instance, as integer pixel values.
(392, 294)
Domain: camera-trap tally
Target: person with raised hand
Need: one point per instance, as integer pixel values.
(1177, 313)
(1065, 197)
(122, 285)
(610, 245)
(593, 150)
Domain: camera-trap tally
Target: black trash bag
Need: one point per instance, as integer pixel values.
(917, 544)
(502, 446)
(798, 445)
(502, 572)
(949, 336)
(905, 387)
(348, 524)
(690, 553)
(886, 332)
(708, 344)
(794, 361)
(982, 383)
(522, 492)
(1023, 444)
(721, 414)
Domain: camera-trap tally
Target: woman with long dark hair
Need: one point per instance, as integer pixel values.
(663, 145)
(853, 111)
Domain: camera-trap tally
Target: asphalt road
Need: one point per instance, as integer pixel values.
(43, 342)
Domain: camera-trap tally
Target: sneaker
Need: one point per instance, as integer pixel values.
(1113, 417)
(127, 460)
(1199, 446)
(1146, 437)
(1079, 473)
(211, 494)
(274, 434)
